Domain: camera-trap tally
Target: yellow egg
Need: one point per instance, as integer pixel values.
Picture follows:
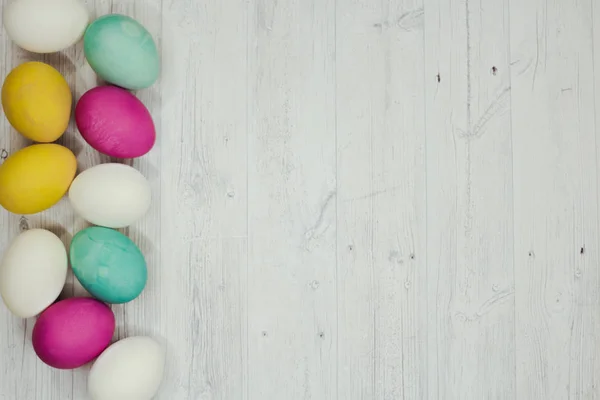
(36, 177)
(37, 101)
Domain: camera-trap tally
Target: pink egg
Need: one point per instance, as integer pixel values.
(115, 122)
(73, 332)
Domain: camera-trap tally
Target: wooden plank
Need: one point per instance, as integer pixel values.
(382, 303)
(556, 201)
(291, 200)
(203, 198)
(469, 200)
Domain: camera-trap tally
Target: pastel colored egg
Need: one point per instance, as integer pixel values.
(36, 177)
(111, 195)
(33, 272)
(73, 332)
(130, 369)
(108, 264)
(114, 122)
(45, 26)
(37, 101)
(122, 52)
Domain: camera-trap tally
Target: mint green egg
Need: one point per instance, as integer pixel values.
(122, 52)
(108, 264)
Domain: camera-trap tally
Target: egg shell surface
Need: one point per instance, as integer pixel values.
(122, 52)
(111, 195)
(108, 264)
(36, 177)
(130, 369)
(114, 122)
(36, 100)
(30, 281)
(73, 332)
(45, 26)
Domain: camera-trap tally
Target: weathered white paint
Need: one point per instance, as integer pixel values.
(555, 199)
(470, 274)
(355, 199)
(382, 300)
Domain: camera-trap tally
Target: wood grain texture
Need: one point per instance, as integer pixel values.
(354, 200)
(291, 200)
(470, 271)
(556, 200)
(204, 192)
(382, 297)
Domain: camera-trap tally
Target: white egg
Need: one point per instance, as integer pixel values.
(111, 195)
(130, 369)
(33, 272)
(45, 26)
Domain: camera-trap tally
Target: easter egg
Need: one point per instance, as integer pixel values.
(114, 122)
(36, 177)
(108, 264)
(73, 332)
(33, 272)
(122, 52)
(130, 369)
(37, 101)
(45, 26)
(111, 195)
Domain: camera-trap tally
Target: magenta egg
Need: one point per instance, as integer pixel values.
(73, 332)
(115, 122)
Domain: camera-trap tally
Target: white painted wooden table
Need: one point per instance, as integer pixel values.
(356, 199)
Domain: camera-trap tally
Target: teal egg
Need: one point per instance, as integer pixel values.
(108, 264)
(122, 52)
